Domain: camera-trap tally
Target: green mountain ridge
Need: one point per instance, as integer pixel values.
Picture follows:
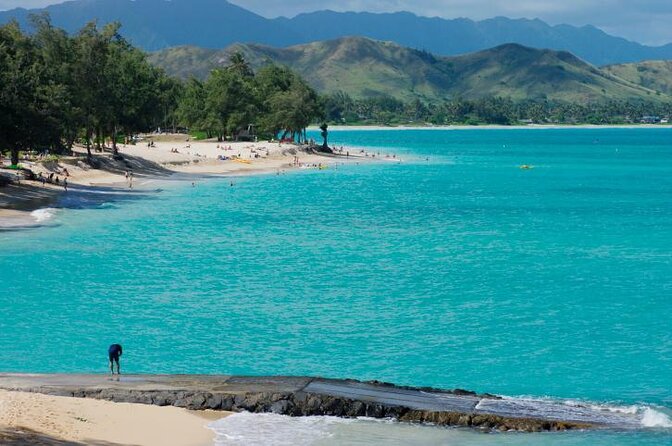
(365, 68)
(654, 74)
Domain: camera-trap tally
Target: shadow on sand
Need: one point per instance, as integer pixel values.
(23, 437)
(139, 166)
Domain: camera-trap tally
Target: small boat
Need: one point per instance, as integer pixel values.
(526, 167)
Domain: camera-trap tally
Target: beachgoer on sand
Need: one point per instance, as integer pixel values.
(114, 352)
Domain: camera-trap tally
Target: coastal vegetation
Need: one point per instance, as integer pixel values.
(369, 82)
(237, 102)
(95, 88)
(340, 108)
(57, 89)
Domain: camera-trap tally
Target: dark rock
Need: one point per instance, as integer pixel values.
(281, 407)
(374, 411)
(228, 402)
(213, 402)
(163, 399)
(463, 392)
(356, 409)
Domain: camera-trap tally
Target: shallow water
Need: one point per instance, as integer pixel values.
(460, 270)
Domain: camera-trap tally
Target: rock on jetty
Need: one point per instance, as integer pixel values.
(303, 396)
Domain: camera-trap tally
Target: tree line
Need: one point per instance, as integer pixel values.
(57, 89)
(386, 110)
(94, 86)
(275, 100)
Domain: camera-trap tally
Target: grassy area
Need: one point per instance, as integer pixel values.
(655, 74)
(198, 136)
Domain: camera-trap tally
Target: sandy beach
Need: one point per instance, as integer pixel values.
(30, 418)
(155, 157)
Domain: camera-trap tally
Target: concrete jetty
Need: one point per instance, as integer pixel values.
(304, 396)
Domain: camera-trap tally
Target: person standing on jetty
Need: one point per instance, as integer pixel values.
(114, 352)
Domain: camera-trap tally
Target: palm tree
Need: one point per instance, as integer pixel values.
(239, 65)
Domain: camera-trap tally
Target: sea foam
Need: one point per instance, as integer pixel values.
(44, 214)
(635, 416)
(272, 430)
(280, 430)
(655, 419)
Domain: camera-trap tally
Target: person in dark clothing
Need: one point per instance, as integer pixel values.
(114, 352)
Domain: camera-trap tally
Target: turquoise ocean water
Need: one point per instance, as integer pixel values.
(454, 268)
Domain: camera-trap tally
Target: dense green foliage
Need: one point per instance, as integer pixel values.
(93, 87)
(275, 100)
(342, 109)
(57, 88)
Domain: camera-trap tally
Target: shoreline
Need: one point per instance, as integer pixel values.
(153, 410)
(170, 158)
(340, 128)
(301, 396)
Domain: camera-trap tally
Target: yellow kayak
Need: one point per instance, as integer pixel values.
(238, 160)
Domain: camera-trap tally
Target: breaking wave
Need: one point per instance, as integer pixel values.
(43, 215)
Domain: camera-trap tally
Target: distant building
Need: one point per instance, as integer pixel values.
(665, 121)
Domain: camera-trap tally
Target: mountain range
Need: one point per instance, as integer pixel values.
(365, 68)
(159, 24)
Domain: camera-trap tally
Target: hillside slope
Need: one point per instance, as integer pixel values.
(655, 74)
(159, 24)
(367, 68)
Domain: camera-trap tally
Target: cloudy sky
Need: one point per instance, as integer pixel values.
(645, 21)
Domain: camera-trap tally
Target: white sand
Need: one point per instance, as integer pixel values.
(146, 163)
(30, 416)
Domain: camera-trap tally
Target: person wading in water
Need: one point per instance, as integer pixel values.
(114, 352)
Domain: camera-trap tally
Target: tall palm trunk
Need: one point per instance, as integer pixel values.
(114, 140)
(89, 135)
(15, 156)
